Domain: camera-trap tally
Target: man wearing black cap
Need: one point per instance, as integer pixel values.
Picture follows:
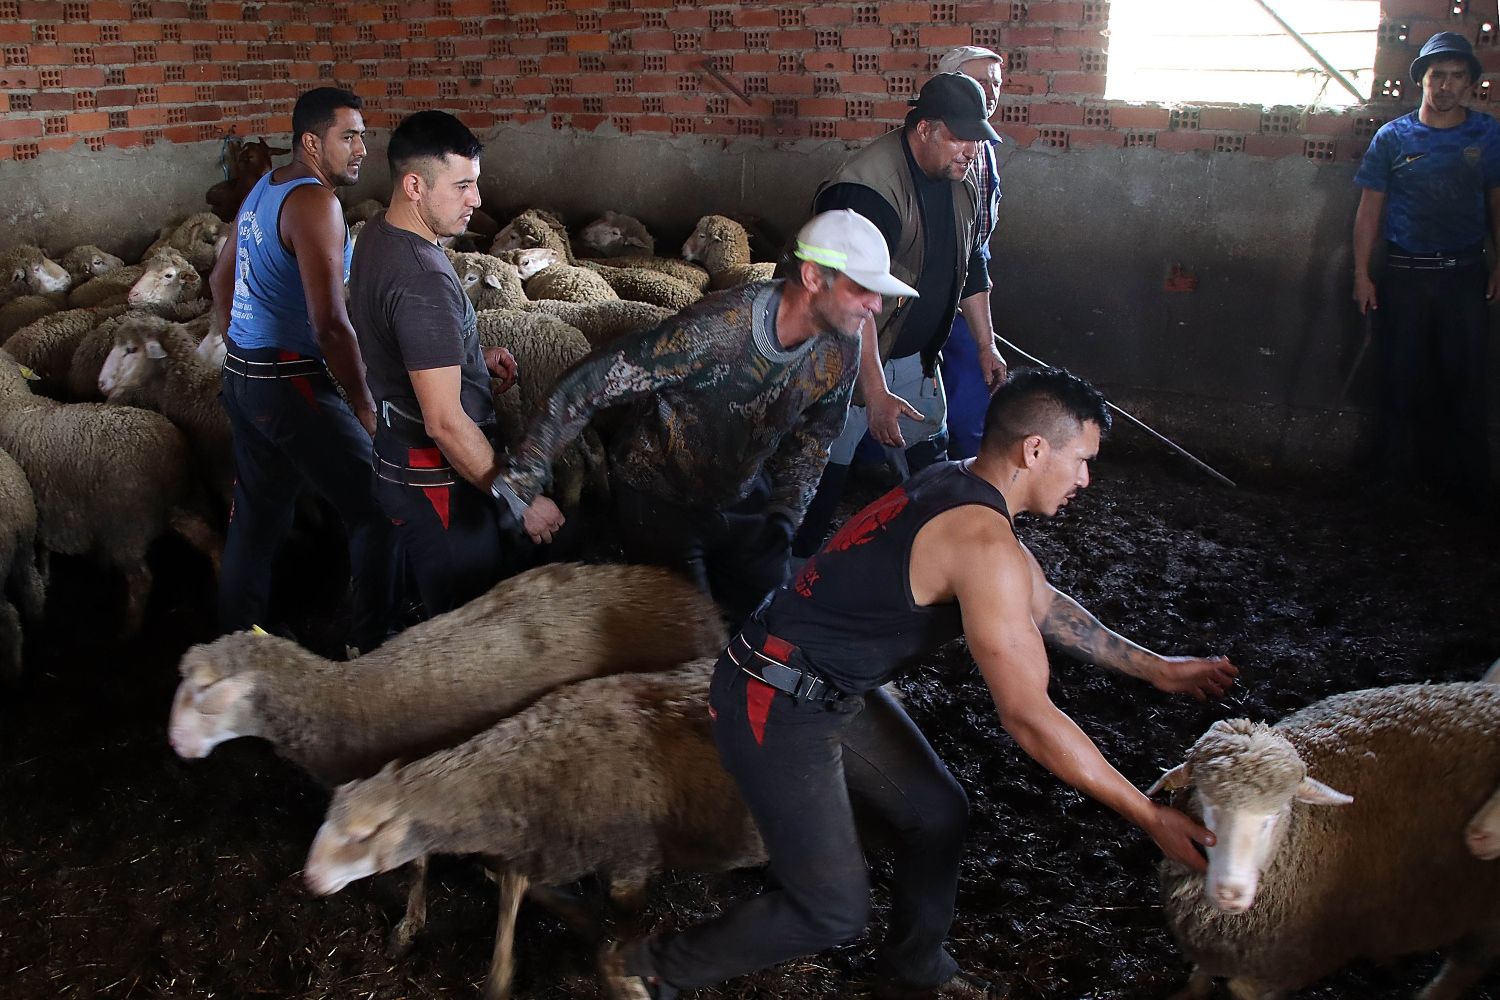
(915, 184)
(1429, 177)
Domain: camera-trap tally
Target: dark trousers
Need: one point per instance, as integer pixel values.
(731, 555)
(454, 544)
(1433, 329)
(287, 433)
(968, 393)
(801, 766)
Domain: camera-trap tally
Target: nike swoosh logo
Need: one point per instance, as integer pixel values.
(1414, 156)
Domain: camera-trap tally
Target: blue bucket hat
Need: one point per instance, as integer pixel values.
(1445, 45)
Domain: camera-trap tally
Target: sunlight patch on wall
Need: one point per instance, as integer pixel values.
(1199, 51)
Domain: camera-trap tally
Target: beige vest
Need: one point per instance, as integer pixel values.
(882, 167)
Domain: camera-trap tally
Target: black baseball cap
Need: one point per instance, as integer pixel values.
(1445, 45)
(959, 101)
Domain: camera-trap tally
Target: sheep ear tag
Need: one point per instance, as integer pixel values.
(28, 374)
(1315, 793)
(1179, 777)
(154, 351)
(258, 630)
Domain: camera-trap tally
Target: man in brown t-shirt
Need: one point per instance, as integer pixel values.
(434, 459)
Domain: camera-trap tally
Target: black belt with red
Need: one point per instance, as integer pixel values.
(767, 660)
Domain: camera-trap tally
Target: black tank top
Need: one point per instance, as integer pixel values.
(850, 610)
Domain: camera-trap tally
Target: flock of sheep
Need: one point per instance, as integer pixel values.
(557, 726)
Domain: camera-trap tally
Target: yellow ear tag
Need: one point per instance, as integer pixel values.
(28, 374)
(258, 630)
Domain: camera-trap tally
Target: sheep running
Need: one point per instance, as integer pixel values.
(616, 776)
(1367, 860)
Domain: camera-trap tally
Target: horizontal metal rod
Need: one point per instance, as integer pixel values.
(1138, 422)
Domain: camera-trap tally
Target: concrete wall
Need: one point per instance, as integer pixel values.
(1246, 366)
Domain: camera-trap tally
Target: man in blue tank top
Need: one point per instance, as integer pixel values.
(802, 722)
(1429, 177)
(294, 382)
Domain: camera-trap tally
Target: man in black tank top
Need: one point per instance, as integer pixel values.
(803, 724)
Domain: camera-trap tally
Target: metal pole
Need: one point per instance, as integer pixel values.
(1327, 66)
(1138, 422)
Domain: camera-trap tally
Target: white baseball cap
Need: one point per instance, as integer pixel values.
(847, 241)
(954, 59)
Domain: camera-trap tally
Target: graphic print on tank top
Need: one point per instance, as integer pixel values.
(858, 530)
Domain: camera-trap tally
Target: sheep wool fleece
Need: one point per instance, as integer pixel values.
(719, 403)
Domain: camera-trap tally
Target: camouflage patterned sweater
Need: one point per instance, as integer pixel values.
(716, 398)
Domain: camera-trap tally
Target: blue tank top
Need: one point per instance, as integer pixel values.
(850, 610)
(270, 308)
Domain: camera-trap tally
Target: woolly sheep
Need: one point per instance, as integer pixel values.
(488, 281)
(1367, 860)
(27, 270)
(722, 246)
(47, 345)
(155, 364)
(614, 233)
(467, 668)
(691, 275)
(24, 310)
(1483, 832)
(544, 347)
(602, 322)
(363, 211)
(534, 227)
(107, 480)
(616, 777)
(494, 283)
(162, 279)
(652, 287)
(566, 283)
(88, 261)
(196, 238)
(20, 580)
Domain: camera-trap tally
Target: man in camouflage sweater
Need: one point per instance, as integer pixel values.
(734, 403)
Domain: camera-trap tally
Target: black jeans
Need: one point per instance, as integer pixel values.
(287, 433)
(1433, 329)
(733, 555)
(454, 543)
(801, 766)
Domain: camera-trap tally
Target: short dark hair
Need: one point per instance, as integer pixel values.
(1047, 401)
(316, 109)
(429, 135)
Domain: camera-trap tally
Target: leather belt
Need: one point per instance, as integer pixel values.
(801, 684)
(406, 475)
(1432, 262)
(298, 368)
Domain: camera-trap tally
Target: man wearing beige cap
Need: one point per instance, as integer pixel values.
(964, 380)
(733, 404)
(915, 184)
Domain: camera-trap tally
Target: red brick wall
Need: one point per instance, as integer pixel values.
(118, 73)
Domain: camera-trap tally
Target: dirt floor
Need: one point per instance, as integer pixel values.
(125, 872)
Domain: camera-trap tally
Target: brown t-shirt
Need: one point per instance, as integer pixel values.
(411, 314)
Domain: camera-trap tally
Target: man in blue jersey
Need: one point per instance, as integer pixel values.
(294, 383)
(1428, 178)
(803, 724)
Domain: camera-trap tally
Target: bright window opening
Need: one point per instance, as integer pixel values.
(1234, 51)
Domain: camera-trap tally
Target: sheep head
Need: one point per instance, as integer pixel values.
(482, 276)
(718, 242)
(88, 261)
(1482, 834)
(35, 273)
(532, 228)
(131, 362)
(614, 234)
(217, 699)
(1246, 776)
(364, 833)
(167, 279)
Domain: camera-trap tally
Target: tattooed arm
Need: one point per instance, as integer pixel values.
(1068, 625)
